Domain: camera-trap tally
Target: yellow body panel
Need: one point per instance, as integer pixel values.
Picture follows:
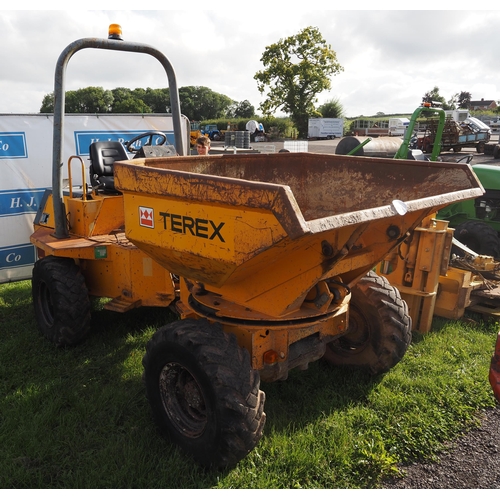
(454, 293)
(113, 267)
(101, 215)
(96, 216)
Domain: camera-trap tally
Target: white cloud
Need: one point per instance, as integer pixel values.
(390, 57)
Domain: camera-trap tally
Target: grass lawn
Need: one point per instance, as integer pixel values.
(78, 418)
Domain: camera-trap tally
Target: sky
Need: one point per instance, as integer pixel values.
(391, 58)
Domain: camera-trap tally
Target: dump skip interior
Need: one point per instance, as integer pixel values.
(324, 185)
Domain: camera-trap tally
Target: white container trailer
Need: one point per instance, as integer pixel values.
(398, 126)
(325, 128)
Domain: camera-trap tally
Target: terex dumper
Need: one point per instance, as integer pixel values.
(265, 258)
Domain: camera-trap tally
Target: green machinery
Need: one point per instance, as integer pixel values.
(476, 221)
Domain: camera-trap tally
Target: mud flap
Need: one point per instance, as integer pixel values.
(495, 370)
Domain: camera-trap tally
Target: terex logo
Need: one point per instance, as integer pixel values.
(146, 217)
(201, 228)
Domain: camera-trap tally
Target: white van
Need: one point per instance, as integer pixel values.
(398, 126)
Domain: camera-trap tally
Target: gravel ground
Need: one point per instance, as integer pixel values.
(473, 461)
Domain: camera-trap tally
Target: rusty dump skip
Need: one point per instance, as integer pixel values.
(292, 216)
(340, 189)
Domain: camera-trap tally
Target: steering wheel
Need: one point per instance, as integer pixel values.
(149, 142)
(465, 159)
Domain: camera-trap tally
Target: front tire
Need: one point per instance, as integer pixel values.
(203, 392)
(379, 328)
(61, 300)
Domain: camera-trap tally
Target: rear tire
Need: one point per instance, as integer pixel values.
(379, 328)
(479, 237)
(61, 300)
(203, 392)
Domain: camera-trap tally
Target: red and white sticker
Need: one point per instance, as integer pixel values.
(146, 217)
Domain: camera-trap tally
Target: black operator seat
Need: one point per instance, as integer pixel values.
(103, 155)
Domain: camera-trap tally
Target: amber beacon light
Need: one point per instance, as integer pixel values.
(115, 32)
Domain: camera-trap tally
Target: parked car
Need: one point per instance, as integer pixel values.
(495, 124)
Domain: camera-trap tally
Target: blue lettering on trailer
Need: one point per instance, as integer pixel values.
(84, 138)
(20, 201)
(17, 256)
(13, 145)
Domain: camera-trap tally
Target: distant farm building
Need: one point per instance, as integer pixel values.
(483, 104)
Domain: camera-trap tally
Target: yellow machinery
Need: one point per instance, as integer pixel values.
(421, 270)
(195, 133)
(265, 258)
(434, 281)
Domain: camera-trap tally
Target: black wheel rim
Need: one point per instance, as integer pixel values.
(183, 400)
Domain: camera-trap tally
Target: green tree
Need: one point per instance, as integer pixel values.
(89, 100)
(121, 94)
(243, 109)
(47, 103)
(434, 97)
(86, 100)
(296, 69)
(201, 103)
(197, 103)
(140, 100)
(460, 100)
(131, 105)
(157, 99)
(331, 109)
(125, 101)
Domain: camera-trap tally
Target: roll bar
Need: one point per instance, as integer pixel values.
(61, 229)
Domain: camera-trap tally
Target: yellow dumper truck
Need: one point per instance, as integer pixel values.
(266, 259)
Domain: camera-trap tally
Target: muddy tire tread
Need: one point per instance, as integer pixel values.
(237, 399)
(389, 327)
